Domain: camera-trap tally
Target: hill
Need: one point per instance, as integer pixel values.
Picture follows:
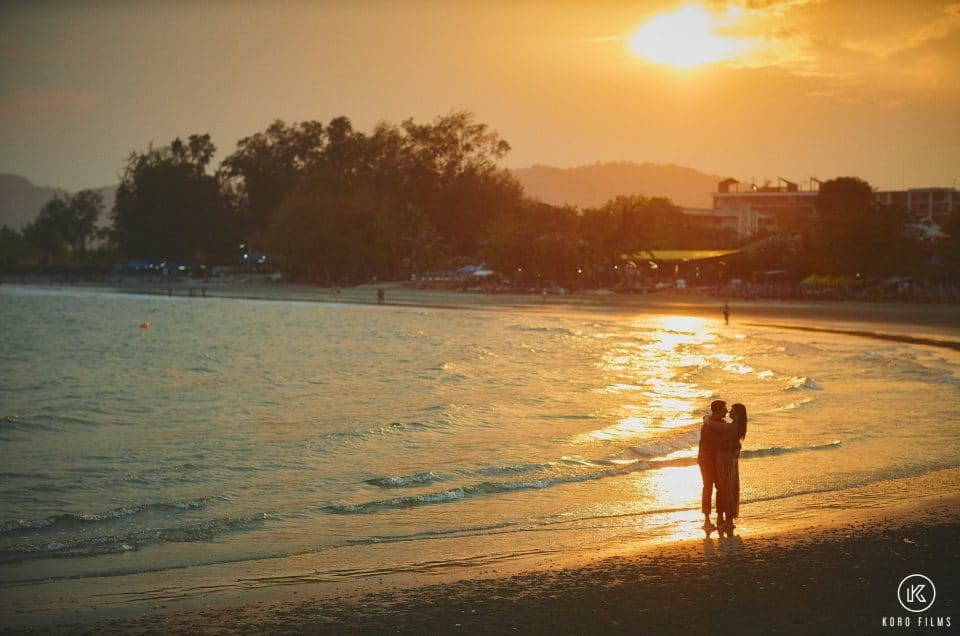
(20, 200)
(594, 185)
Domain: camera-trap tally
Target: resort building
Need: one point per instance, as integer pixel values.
(749, 209)
(785, 207)
(930, 205)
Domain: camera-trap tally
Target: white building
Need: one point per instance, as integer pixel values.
(787, 207)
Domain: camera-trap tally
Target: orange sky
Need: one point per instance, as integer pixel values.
(792, 88)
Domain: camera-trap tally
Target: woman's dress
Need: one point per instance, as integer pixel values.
(728, 472)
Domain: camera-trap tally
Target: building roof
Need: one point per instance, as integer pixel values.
(681, 255)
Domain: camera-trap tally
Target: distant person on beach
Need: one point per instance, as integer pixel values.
(727, 466)
(707, 458)
(726, 313)
(380, 294)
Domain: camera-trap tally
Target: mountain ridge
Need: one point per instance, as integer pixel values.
(21, 200)
(594, 184)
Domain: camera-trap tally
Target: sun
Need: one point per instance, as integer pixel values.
(684, 39)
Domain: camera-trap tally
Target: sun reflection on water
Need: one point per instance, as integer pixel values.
(651, 369)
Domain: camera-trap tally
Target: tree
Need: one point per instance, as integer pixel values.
(450, 171)
(535, 244)
(327, 231)
(167, 206)
(854, 235)
(14, 248)
(422, 243)
(66, 223)
(269, 165)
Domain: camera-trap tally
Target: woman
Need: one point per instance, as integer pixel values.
(728, 468)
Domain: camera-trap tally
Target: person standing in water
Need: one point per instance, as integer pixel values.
(707, 459)
(726, 313)
(728, 437)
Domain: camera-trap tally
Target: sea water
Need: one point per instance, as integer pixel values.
(323, 441)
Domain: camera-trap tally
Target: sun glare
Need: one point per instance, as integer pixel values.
(684, 39)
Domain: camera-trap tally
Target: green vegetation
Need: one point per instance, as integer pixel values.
(168, 207)
(332, 204)
(65, 225)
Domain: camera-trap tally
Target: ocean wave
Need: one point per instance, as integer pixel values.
(419, 479)
(773, 451)
(376, 431)
(607, 469)
(681, 439)
(15, 422)
(534, 329)
(57, 522)
(130, 541)
(804, 382)
(516, 469)
(796, 405)
(481, 489)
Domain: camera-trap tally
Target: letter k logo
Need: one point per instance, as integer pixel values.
(915, 593)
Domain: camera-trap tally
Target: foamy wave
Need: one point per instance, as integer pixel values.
(387, 429)
(485, 488)
(519, 469)
(796, 405)
(797, 384)
(55, 521)
(680, 440)
(784, 450)
(403, 482)
(110, 544)
(772, 451)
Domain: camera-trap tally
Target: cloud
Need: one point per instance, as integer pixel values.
(28, 114)
(61, 102)
(897, 53)
(898, 42)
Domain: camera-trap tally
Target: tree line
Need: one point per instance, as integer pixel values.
(338, 205)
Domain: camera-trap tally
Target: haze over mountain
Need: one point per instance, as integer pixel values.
(593, 185)
(583, 187)
(21, 200)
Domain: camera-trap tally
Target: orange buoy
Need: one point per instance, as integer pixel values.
(144, 325)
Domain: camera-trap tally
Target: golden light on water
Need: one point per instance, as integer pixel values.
(627, 428)
(675, 486)
(650, 375)
(689, 324)
(676, 489)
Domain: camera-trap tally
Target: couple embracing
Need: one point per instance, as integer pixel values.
(719, 461)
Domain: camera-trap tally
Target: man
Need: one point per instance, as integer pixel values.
(707, 459)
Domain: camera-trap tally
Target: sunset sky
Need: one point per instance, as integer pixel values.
(752, 89)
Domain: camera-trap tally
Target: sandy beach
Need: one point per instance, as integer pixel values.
(822, 576)
(819, 574)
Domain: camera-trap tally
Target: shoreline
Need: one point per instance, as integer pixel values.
(917, 323)
(818, 577)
